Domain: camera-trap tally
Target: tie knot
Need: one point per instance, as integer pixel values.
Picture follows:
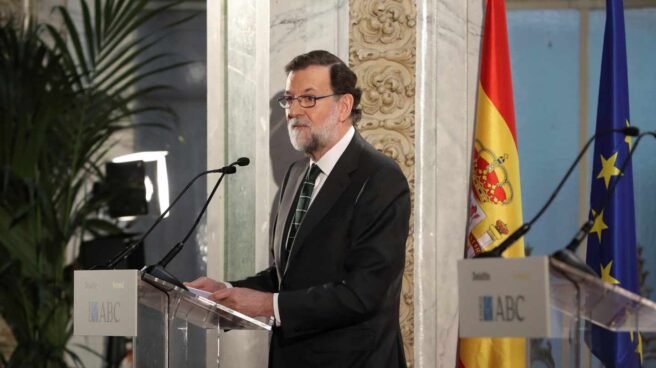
(314, 173)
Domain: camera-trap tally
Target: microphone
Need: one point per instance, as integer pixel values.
(522, 230)
(242, 161)
(568, 255)
(159, 269)
(130, 248)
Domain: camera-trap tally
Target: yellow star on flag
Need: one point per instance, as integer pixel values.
(605, 274)
(608, 168)
(599, 224)
(628, 138)
(638, 348)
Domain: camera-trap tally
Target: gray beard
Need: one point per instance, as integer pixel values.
(305, 145)
(318, 139)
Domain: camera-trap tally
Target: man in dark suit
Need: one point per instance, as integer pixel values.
(338, 239)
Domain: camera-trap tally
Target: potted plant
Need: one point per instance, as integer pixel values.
(64, 93)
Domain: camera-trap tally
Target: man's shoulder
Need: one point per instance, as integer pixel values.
(373, 158)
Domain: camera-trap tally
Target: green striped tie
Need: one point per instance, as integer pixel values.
(303, 202)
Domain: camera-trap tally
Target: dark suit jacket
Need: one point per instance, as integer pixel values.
(340, 289)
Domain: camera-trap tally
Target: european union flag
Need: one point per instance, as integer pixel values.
(612, 241)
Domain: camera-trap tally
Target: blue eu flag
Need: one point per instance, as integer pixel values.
(612, 241)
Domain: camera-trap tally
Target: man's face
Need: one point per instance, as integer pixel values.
(313, 130)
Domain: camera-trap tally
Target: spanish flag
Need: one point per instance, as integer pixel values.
(495, 209)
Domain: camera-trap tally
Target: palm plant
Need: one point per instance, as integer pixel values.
(63, 96)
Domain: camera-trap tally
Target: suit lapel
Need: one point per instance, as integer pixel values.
(336, 183)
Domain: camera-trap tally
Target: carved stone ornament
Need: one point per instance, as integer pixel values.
(382, 52)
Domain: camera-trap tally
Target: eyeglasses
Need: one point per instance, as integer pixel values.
(305, 101)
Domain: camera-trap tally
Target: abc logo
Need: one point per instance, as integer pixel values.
(506, 308)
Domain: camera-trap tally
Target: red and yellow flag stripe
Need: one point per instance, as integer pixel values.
(495, 203)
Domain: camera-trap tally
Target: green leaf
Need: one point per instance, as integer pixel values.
(81, 60)
(90, 34)
(130, 82)
(98, 22)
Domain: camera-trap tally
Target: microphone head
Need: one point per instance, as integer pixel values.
(243, 161)
(631, 131)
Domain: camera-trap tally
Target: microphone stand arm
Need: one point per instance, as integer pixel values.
(129, 249)
(568, 254)
(522, 230)
(159, 270)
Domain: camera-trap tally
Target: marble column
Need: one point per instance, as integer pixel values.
(238, 33)
(215, 151)
(448, 40)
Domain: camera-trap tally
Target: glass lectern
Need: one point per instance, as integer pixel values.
(165, 313)
(544, 299)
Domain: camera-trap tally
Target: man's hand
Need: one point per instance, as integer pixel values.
(206, 284)
(248, 301)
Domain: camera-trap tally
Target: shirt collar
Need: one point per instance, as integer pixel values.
(328, 161)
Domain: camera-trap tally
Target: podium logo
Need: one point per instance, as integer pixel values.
(502, 308)
(485, 308)
(104, 312)
(480, 276)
